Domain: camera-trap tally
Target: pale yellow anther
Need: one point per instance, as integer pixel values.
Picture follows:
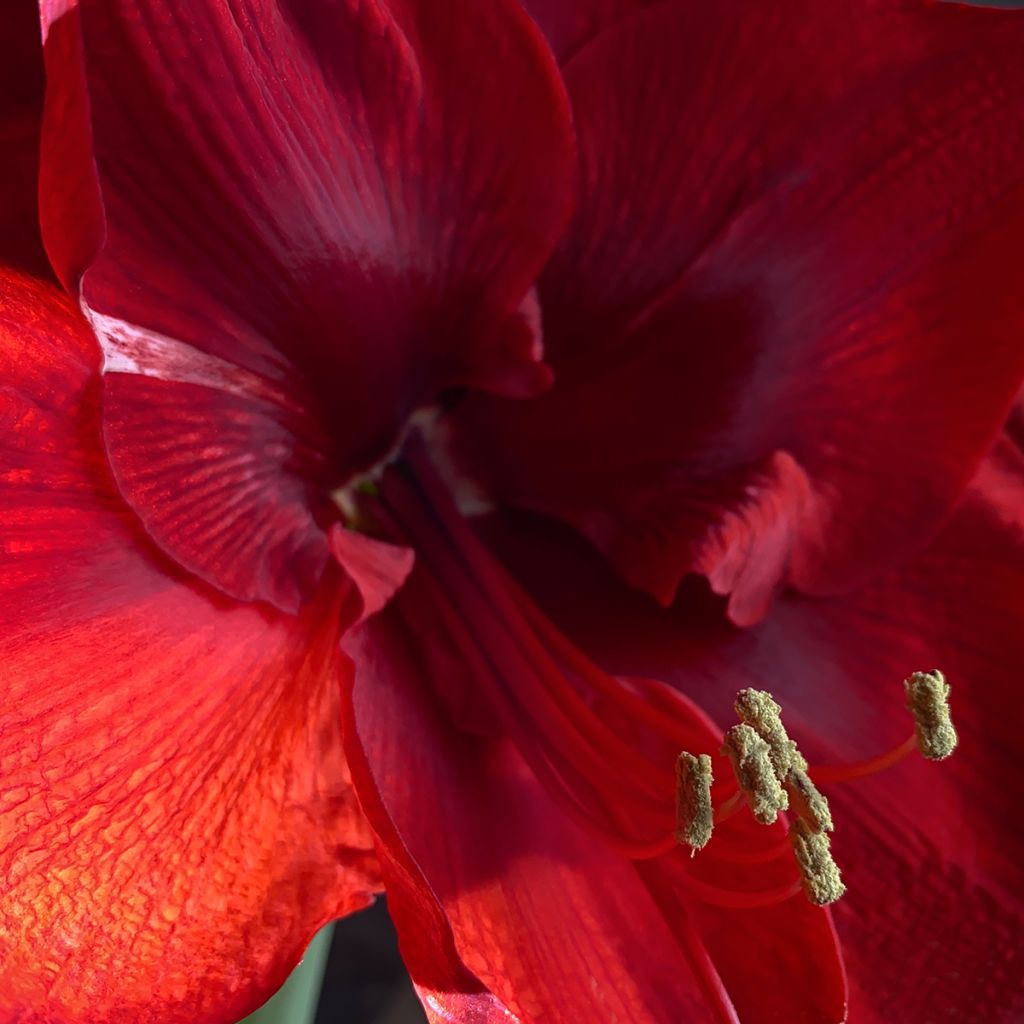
(807, 801)
(694, 816)
(928, 702)
(759, 710)
(818, 871)
(752, 763)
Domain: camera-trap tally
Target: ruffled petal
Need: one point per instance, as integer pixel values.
(922, 846)
(376, 568)
(785, 319)
(551, 922)
(304, 200)
(176, 818)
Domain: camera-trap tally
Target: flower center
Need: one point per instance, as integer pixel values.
(606, 752)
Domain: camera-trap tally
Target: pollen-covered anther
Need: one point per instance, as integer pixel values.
(818, 871)
(807, 801)
(759, 710)
(755, 773)
(694, 816)
(928, 702)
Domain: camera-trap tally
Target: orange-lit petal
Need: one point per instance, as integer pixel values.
(176, 817)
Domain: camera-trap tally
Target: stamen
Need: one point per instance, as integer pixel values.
(575, 753)
(736, 853)
(568, 797)
(543, 689)
(821, 879)
(928, 702)
(758, 709)
(751, 761)
(567, 719)
(694, 816)
(556, 787)
(808, 801)
(832, 773)
(729, 807)
(736, 899)
(658, 720)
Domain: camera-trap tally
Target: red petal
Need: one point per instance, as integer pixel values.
(227, 473)
(931, 853)
(451, 994)
(570, 24)
(557, 927)
(794, 245)
(21, 103)
(309, 193)
(1015, 426)
(176, 813)
(377, 569)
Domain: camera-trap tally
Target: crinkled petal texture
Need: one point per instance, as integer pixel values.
(292, 224)
(931, 853)
(176, 817)
(505, 907)
(785, 320)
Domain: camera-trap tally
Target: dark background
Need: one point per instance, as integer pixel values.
(365, 981)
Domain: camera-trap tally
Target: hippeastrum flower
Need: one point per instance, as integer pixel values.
(412, 357)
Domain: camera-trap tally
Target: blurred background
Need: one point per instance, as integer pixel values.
(365, 981)
(351, 974)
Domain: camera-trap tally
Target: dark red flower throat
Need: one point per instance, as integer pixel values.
(604, 749)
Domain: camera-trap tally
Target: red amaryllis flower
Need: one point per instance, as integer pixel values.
(772, 254)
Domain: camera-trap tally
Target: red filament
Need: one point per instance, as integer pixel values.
(542, 687)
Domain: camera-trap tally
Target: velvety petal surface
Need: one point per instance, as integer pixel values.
(931, 853)
(1015, 424)
(569, 25)
(555, 925)
(303, 204)
(176, 818)
(21, 110)
(785, 321)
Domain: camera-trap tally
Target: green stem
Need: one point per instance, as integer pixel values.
(296, 1000)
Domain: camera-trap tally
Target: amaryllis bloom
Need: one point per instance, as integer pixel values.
(447, 407)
